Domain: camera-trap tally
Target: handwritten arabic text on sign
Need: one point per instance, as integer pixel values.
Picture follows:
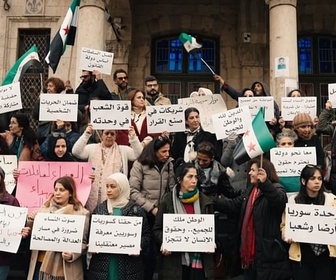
(290, 161)
(96, 60)
(206, 105)
(110, 114)
(10, 98)
(237, 120)
(165, 118)
(291, 106)
(188, 233)
(8, 164)
(255, 103)
(36, 180)
(57, 232)
(115, 234)
(311, 223)
(55, 106)
(12, 220)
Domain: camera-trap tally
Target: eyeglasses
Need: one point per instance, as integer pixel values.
(84, 76)
(58, 134)
(151, 85)
(110, 133)
(122, 78)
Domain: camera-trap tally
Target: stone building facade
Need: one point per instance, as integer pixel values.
(245, 38)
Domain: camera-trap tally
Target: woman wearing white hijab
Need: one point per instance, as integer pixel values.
(119, 266)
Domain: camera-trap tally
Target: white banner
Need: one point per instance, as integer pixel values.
(10, 96)
(96, 60)
(291, 106)
(115, 234)
(8, 164)
(189, 233)
(255, 103)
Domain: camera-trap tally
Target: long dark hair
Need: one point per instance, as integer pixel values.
(267, 166)
(70, 185)
(148, 155)
(51, 155)
(303, 197)
(28, 134)
(2, 182)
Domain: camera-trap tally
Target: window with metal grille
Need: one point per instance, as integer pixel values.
(179, 72)
(31, 81)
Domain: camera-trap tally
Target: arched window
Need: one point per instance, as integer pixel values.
(179, 72)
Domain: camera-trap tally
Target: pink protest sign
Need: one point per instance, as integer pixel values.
(36, 180)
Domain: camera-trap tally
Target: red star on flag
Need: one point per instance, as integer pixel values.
(66, 30)
(251, 147)
(247, 133)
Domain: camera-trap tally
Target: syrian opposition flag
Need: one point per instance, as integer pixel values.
(255, 141)
(65, 36)
(189, 42)
(20, 67)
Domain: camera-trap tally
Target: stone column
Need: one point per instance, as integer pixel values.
(90, 29)
(283, 43)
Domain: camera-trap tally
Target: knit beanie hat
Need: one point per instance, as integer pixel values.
(302, 119)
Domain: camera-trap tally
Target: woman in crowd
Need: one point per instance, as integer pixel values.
(6, 259)
(107, 157)
(184, 199)
(58, 148)
(60, 265)
(152, 176)
(262, 254)
(52, 85)
(185, 143)
(286, 139)
(311, 261)
(138, 119)
(213, 178)
(21, 139)
(304, 127)
(119, 266)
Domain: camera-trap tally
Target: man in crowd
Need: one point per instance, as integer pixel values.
(153, 96)
(120, 79)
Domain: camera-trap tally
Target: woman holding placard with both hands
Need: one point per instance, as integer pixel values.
(119, 266)
(60, 265)
(311, 261)
(184, 199)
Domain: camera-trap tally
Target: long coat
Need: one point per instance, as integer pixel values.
(130, 267)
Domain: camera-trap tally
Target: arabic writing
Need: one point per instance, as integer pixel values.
(12, 220)
(188, 233)
(290, 161)
(311, 223)
(8, 163)
(57, 232)
(291, 106)
(96, 60)
(10, 96)
(255, 103)
(123, 237)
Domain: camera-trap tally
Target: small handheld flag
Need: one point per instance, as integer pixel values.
(189, 42)
(255, 141)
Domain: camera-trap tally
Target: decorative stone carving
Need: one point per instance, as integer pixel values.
(34, 8)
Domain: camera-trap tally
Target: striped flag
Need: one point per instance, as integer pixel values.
(255, 141)
(65, 36)
(28, 59)
(189, 42)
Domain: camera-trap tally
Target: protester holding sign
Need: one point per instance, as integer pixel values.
(262, 253)
(185, 143)
(184, 199)
(60, 265)
(311, 261)
(6, 259)
(119, 266)
(21, 139)
(106, 157)
(58, 148)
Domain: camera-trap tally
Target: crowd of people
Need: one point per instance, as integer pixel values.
(136, 173)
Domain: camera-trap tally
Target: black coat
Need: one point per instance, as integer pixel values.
(314, 141)
(180, 142)
(170, 267)
(130, 267)
(271, 256)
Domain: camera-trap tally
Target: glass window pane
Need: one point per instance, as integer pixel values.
(326, 53)
(168, 56)
(305, 55)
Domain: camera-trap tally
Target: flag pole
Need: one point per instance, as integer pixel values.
(207, 65)
(69, 69)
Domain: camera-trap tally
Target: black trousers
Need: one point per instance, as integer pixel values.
(317, 270)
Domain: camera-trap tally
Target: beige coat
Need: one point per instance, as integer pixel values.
(73, 270)
(294, 250)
